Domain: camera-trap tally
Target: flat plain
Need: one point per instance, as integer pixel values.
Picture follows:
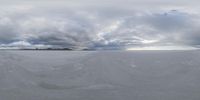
(100, 75)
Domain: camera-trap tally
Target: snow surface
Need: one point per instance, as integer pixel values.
(100, 75)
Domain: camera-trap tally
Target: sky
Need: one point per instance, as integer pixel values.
(100, 24)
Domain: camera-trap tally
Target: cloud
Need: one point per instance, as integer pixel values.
(98, 27)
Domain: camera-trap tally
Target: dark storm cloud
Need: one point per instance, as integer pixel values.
(95, 25)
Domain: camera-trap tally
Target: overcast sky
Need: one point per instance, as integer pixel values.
(99, 24)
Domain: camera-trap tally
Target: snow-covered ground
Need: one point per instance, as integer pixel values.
(100, 75)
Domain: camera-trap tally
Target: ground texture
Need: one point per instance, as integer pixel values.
(100, 75)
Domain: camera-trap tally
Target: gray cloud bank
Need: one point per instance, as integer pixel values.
(98, 26)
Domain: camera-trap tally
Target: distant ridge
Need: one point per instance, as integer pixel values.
(67, 49)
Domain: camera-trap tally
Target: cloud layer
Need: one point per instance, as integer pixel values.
(96, 26)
